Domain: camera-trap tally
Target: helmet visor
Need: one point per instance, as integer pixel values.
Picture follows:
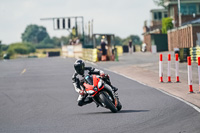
(79, 69)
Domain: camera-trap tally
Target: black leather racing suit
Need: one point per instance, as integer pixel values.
(77, 78)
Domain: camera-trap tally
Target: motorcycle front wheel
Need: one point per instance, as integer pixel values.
(119, 106)
(108, 103)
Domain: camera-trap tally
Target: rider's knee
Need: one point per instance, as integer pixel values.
(80, 103)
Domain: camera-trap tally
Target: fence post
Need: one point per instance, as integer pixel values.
(169, 68)
(190, 74)
(177, 68)
(161, 69)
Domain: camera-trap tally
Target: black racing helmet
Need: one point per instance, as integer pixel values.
(79, 66)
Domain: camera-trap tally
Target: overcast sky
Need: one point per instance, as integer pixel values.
(120, 17)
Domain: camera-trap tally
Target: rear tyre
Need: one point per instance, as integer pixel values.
(104, 98)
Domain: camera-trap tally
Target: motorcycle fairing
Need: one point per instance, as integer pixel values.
(90, 88)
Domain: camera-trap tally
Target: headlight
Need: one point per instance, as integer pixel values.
(100, 84)
(90, 92)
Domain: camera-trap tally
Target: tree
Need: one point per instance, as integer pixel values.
(57, 41)
(4, 47)
(47, 40)
(20, 48)
(135, 40)
(34, 34)
(159, 3)
(43, 46)
(0, 47)
(0, 50)
(118, 41)
(166, 24)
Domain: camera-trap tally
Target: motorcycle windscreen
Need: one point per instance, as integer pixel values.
(89, 79)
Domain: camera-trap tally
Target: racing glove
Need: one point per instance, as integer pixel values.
(82, 93)
(102, 74)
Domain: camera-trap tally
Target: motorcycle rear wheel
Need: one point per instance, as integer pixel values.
(104, 97)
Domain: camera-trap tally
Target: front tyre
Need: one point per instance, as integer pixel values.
(119, 106)
(104, 98)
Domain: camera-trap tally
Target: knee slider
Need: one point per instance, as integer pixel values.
(80, 103)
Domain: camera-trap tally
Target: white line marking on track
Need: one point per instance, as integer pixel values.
(23, 71)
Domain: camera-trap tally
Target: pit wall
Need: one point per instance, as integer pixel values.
(91, 54)
(76, 51)
(72, 51)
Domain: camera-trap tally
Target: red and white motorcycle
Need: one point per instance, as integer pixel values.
(101, 93)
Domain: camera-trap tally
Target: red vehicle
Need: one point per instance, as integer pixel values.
(101, 93)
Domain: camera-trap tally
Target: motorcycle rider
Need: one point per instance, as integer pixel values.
(80, 72)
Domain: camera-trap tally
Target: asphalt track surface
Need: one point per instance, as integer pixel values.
(37, 96)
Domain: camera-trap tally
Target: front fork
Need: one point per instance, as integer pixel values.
(96, 100)
(113, 95)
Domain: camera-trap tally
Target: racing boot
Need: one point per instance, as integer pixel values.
(97, 104)
(114, 89)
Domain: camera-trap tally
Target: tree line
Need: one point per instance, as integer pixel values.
(36, 37)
